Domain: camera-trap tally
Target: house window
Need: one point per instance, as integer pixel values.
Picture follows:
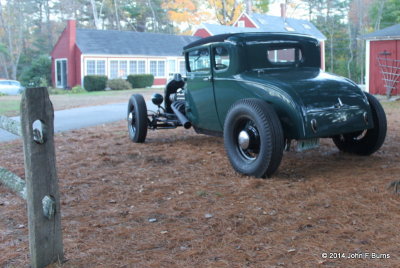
(132, 67)
(182, 67)
(141, 67)
(161, 68)
(137, 67)
(113, 69)
(123, 69)
(118, 69)
(100, 67)
(171, 66)
(95, 67)
(157, 68)
(91, 67)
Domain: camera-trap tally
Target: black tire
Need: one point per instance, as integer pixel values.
(368, 141)
(260, 123)
(137, 118)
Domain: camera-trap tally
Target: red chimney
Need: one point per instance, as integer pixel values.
(71, 31)
(283, 11)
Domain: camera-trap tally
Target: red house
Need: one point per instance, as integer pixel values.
(382, 64)
(81, 52)
(265, 23)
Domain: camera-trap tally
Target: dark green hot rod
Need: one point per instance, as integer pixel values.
(260, 91)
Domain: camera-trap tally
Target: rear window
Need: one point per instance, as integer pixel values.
(284, 55)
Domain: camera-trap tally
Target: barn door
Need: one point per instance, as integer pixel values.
(385, 67)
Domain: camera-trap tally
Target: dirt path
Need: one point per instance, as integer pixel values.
(176, 202)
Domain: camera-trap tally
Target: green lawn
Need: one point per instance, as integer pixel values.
(9, 105)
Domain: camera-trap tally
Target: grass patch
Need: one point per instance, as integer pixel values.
(9, 107)
(67, 99)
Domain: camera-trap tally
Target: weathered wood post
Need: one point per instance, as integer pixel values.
(43, 199)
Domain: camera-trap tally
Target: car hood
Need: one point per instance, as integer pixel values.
(315, 88)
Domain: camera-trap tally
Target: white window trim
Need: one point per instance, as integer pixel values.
(107, 58)
(165, 67)
(84, 67)
(55, 71)
(179, 67)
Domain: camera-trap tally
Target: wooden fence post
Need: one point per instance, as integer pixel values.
(43, 199)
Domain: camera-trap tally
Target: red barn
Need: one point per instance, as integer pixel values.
(383, 61)
(81, 52)
(265, 23)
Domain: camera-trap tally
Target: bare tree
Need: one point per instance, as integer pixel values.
(12, 22)
(96, 16)
(380, 13)
(117, 22)
(249, 6)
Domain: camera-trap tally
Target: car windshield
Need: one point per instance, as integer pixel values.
(281, 54)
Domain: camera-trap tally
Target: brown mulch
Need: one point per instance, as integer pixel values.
(175, 201)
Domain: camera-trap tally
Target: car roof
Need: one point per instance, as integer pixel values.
(253, 36)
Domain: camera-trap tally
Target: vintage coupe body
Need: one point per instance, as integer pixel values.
(260, 91)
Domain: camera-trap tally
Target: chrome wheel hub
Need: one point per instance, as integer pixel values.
(130, 117)
(244, 140)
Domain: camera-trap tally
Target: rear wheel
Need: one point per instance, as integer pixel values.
(368, 141)
(253, 138)
(137, 118)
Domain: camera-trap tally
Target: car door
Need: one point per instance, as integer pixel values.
(201, 108)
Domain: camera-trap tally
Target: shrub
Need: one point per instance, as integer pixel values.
(38, 74)
(95, 82)
(77, 89)
(141, 80)
(118, 84)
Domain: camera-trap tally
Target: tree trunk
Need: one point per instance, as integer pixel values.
(350, 60)
(380, 12)
(116, 15)
(95, 16)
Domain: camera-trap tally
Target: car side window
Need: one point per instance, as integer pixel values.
(199, 60)
(221, 58)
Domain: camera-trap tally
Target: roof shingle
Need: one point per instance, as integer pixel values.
(389, 32)
(114, 42)
(272, 24)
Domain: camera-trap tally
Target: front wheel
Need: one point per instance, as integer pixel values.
(137, 118)
(368, 141)
(253, 138)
